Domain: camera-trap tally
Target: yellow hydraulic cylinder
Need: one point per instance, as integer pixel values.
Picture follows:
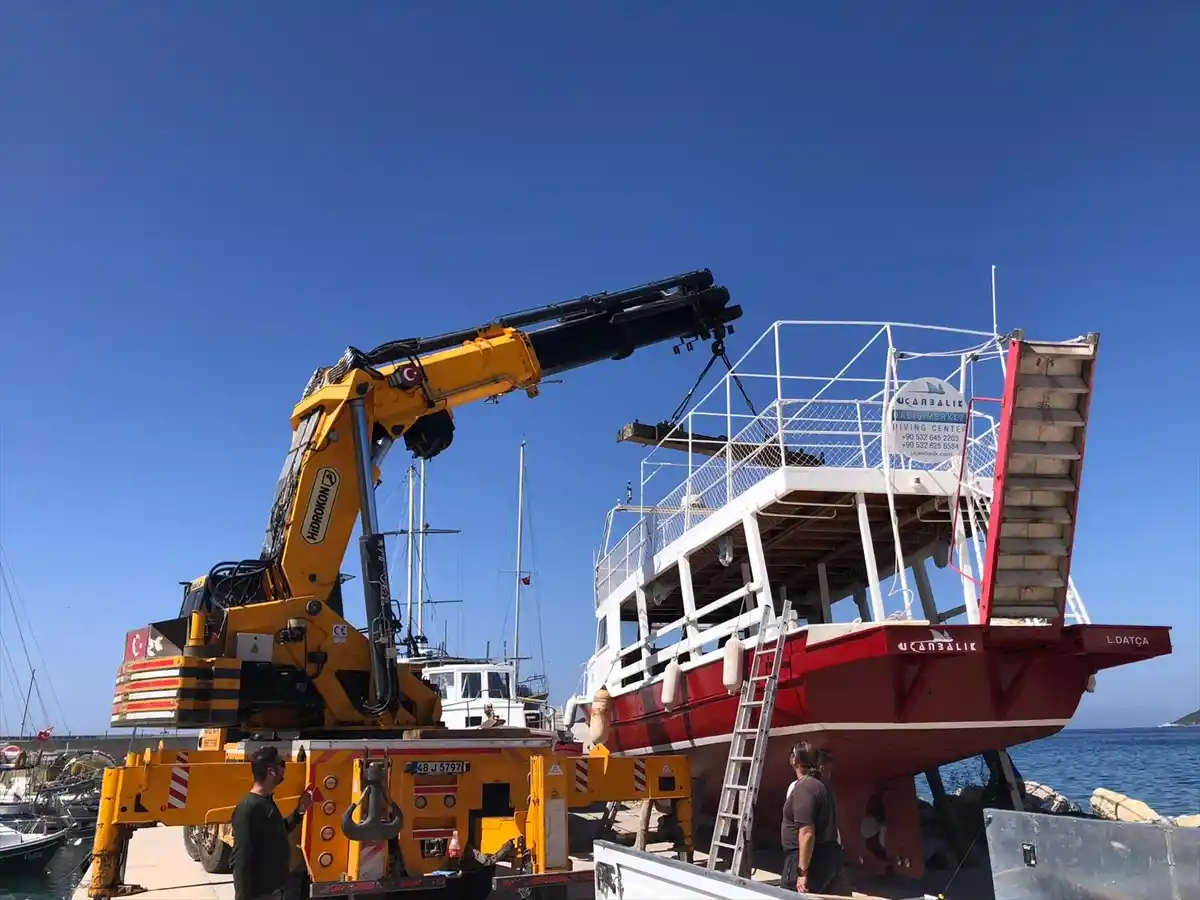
(197, 634)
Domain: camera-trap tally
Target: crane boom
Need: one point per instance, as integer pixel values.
(409, 387)
(348, 418)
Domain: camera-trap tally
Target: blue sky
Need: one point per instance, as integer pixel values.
(200, 204)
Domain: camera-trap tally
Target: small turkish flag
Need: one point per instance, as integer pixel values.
(524, 579)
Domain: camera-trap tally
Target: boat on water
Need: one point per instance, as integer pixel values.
(29, 850)
(14, 806)
(931, 444)
(63, 786)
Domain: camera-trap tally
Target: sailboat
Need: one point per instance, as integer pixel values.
(476, 693)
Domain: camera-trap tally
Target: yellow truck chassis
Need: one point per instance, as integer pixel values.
(389, 815)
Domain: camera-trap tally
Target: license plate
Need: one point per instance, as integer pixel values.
(438, 767)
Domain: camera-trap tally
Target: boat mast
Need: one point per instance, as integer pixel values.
(517, 602)
(408, 553)
(28, 694)
(421, 559)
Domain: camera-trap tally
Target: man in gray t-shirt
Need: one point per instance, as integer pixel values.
(809, 832)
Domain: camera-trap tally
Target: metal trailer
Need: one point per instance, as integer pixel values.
(1046, 857)
(623, 873)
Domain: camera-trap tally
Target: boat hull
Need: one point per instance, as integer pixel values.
(31, 855)
(888, 701)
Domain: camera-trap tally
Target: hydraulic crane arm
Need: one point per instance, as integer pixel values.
(352, 413)
(407, 388)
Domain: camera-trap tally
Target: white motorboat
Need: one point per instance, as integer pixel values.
(28, 851)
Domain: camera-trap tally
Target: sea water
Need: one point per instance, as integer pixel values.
(1159, 766)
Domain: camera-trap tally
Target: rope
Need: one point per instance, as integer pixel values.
(961, 863)
(738, 381)
(718, 352)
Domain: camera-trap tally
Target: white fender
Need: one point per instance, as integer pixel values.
(670, 685)
(569, 712)
(731, 672)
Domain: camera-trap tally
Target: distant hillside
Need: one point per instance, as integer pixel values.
(1189, 719)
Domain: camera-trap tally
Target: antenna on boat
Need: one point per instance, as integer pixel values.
(421, 556)
(520, 576)
(995, 321)
(408, 552)
(28, 697)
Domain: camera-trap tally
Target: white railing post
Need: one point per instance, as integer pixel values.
(688, 593)
(758, 561)
(868, 542)
(728, 439)
(862, 438)
(891, 374)
(643, 629)
(779, 400)
(687, 495)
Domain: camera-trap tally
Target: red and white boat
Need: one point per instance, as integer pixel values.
(826, 483)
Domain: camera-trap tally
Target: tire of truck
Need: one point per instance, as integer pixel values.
(215, 855)
(190, 842)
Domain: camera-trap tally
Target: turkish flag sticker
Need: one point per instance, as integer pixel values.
(409, 375)
(135, 644)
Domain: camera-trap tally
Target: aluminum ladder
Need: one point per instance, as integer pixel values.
(748, 749)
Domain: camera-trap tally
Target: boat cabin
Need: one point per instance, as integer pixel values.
(472, 690)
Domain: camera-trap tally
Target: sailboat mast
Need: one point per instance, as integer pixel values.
(408, 537)
(520, 574)
(28, 695)
(421, 558)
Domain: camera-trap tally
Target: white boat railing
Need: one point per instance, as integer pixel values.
(697, 646)
(835, 424)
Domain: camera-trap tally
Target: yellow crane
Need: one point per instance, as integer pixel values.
(261, 649)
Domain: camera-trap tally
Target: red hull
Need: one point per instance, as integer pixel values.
(889, 703)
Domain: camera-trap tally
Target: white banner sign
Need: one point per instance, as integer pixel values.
(927, 421)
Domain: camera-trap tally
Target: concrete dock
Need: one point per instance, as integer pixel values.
(159, 863)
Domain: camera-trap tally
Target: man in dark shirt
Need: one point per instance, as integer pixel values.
(809, 833)
(262, 850)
